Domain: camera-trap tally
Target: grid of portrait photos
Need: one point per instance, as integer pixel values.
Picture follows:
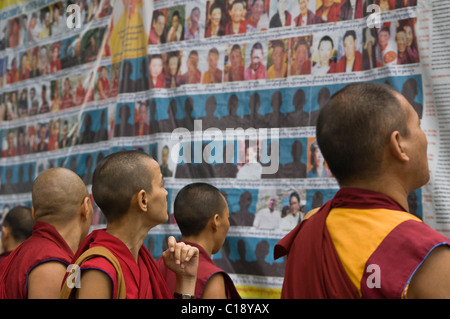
(250, 65)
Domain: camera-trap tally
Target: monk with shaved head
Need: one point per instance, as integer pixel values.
(62, 211)
(129, 189)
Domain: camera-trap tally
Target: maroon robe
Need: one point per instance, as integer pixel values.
(314, 269)
(142, 279)
(326, 277)
(45, 244)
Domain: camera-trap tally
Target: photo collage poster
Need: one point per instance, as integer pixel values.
(221, 91)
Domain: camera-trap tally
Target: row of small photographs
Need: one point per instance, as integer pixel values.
(51, 96)
(329, 53)
(290, 157)
(321, 54)
(275, 108)
(45, 59)
(239, 159)
(48, 21)
(213, 18)
(197, 20)
(75, 50)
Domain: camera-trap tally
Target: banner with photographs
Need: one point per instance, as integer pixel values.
(222, 91)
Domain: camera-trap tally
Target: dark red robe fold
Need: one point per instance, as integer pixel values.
(314, 269)
(45, 244)
(326, 278)
(143, 279)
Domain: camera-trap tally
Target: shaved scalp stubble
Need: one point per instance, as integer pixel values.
(57, 193)
(117, 178)
(354, 127)
(194, 206)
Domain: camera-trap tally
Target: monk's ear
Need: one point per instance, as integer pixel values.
(397, 145)
(5, 232)
(33, 213)
(142, 201)
(87, 207)
(215, 220)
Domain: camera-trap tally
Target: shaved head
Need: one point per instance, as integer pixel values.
(117, 178)
(57, 194)
(354, 127)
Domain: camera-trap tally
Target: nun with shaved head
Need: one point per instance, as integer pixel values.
(62, 210)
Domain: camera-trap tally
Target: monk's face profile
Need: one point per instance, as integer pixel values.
(157, 198)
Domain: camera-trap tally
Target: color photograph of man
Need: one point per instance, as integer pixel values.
(237, 23)
(213, 74)
(234, 66)
(325, 57)
(268, 217)
(157, 31)
(80, 91)
(280, 13)
(24, 68)
(369, 52)
(141, 126)
(406, 42)
(328, 11)
(256, 69)
(103, 85)
(193, 74)
(257, 15)
(10, 149)
(306, 15)
(175, 26)
(317, 167)
(300, 56)
(405, 3)
(351, 58)
(351, 9)
(67, 96)
(164, 166)
(385, 5)
(173, 64)
(43, 61)
(411, 40)
(215, 20)
(386, 48)
(155, 71)
(194, 28)
(58, 21)
(45, 23)
(277, 59)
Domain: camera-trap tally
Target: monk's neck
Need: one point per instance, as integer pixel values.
(132, 238)
(206, 244)
(71, 234)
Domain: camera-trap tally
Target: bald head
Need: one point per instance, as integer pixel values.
(57, 194)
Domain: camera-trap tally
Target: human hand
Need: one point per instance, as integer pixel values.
(182, 259)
